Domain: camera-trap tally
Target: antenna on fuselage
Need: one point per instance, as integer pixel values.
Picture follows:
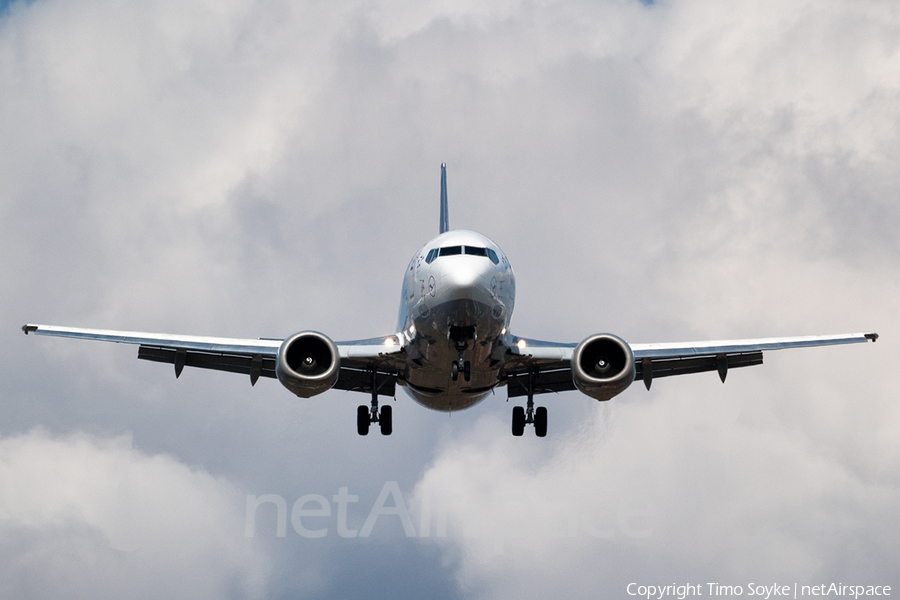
(445, 218)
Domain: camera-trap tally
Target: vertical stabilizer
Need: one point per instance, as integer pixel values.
(445, 218)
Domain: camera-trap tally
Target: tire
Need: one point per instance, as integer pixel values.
(467, 371)
(454, 371)
(362, 420)
(540, 421)
(386, 420)
(518, 421)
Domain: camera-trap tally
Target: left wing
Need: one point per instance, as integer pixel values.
(547, 365)
(365, 364)
(664, 360)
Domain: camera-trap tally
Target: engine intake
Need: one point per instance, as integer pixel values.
(603, 366)
(308, 363)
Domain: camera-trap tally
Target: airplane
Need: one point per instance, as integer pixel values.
(453, 345)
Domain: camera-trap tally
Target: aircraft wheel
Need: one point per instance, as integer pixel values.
(362, 420)
(540, 421)
(518, 421)
(454, 371)
(467, 371)
(385, 421)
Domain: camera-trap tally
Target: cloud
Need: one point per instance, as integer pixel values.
(84, 517)
(672, 171)
(685, 487)
(759, 232)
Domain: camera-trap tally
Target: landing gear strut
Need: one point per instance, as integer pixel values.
(461, 337)
(366, 415)
(529, 415)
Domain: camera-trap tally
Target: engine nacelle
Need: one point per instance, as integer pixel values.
(603, 366)
(308, 363)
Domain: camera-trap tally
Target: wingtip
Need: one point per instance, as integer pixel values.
(29, 328)
(872, 336)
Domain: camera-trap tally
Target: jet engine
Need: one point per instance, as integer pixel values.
(603, 366)
(308, 363)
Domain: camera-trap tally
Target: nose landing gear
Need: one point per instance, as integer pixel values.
(461, 365)
(460, 335)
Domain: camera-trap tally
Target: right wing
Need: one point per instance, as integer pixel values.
(364, 363)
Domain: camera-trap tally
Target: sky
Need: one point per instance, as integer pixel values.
(668, 171)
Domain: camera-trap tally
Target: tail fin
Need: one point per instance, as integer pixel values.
(445, 219)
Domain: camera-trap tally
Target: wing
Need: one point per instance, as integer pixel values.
(664, 360)
(547, 365)
(543, 366)
(365, 364)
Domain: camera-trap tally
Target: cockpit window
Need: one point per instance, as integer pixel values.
(457, 250)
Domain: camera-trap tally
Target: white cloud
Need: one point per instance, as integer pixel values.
(84, 517)
(771, 477)
(682, 170)
(713, 486)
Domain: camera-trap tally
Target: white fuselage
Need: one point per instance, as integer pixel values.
(458, 297)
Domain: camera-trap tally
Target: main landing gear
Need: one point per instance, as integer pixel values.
(366, 415)
(529, 415)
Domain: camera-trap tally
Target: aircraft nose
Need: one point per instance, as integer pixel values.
(468, 277)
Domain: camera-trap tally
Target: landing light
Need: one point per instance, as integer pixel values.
(389, 342)
(521, 344)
